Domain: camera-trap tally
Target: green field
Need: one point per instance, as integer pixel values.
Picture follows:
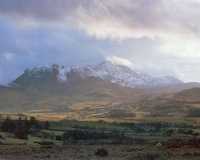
(114, 132)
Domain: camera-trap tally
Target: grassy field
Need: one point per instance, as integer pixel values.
(61, 126)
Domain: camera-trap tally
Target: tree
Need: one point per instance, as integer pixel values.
(46, 125)
(34, 125)
(32, 121)
(158, 126)
(8, 125)
(21, 132)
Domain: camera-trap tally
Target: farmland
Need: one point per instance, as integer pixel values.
(82, 139)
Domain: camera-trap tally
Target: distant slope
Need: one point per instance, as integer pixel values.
(192, 94)
(12, 100)
(176, 104)
(174, 87)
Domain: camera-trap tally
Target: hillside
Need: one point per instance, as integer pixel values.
(174, 87)
(57, 90)
(12, 100)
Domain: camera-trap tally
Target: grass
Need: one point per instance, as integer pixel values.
(158, 137)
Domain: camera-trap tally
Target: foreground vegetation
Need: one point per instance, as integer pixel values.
(26, 136)
(83, 132)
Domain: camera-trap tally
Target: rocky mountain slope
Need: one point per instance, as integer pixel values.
(55, 78)
(124, 76)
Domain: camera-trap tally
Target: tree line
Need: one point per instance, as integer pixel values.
(22, 127)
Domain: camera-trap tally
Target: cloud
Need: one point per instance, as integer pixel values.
(119, 61)
(182, 47)
(174, 22)
(9, 56)
(121, 19)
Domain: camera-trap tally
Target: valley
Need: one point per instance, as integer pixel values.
(74, 103)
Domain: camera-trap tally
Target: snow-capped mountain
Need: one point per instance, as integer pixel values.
(52, 70)
(48, 77)
(54, 77)
(124, 76)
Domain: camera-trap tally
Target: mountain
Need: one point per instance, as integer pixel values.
(94, 91)
(48, 78)
(124, 76)
(57, 88)
(55, 78)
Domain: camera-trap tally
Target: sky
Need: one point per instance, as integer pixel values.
(158, 37)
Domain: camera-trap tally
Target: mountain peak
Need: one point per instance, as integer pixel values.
(48, 76)
(43, 70)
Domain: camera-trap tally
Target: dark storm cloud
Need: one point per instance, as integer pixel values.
(39, 9)
(147, 16)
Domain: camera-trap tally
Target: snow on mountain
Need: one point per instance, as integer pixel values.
(53, 74)
(62, 73)
(49, 75)
(41, 71)
(124, 76)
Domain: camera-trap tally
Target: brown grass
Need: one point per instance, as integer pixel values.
(121, 152)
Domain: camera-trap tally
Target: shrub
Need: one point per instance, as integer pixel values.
(21, 132)
(46, 143)
(84, 135)
(46, 125)
(101, 152)
(120, 113)
(58, 138)
(152, 156)
(194, 112)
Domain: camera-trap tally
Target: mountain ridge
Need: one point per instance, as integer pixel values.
(125, 76)
(59, 76)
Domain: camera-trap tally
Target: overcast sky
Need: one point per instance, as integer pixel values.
(159, 37)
